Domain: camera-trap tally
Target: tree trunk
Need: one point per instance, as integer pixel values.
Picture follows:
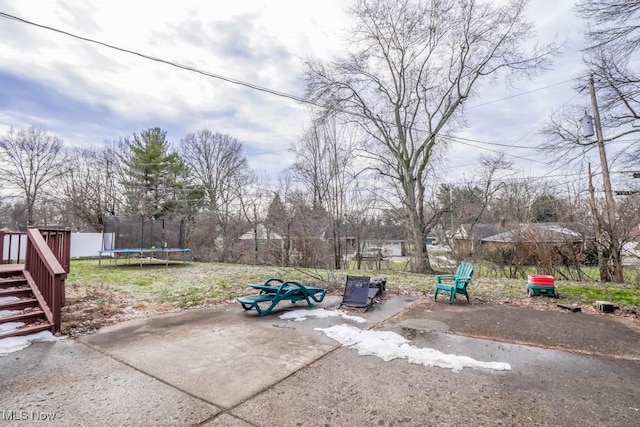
(30, 210)
(337, 246)
(358, 254)
(286, 261)
(603, 267)
(615, 255)
(420, 256)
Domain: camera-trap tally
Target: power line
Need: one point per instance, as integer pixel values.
(266, 152)
(497, 144)
(519, 94)
(514, 145)
(553, 112)
(163, 61)
(548, 175)
(500, 152)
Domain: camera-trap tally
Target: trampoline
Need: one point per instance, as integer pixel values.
(143, 239)
(151, 254)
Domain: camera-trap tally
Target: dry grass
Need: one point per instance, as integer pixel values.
(102, 295)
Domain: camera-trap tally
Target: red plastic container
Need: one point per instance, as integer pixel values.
(541, 280)
(540, 284)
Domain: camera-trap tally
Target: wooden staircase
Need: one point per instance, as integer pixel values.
(32, 294)
(18, 303)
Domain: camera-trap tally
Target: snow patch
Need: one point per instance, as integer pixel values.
(388, 345)
(12, 344)
(4, 300)
(300, 315)
(7, 313)
(10, 326)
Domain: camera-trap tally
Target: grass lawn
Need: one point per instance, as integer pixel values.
(99, 295)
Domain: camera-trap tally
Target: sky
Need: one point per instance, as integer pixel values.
(86, 94)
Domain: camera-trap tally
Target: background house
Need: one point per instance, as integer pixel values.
(466, 239)
(526, 243)
(261, 244)
(391, 238)
(631, 249)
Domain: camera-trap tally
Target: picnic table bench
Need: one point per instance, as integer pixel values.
(275, 290)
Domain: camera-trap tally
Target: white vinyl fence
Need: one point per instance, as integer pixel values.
(82, 245)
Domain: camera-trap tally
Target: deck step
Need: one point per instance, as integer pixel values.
(26, 330)
(24, 317)
(15, 292)
(19, 305)
(12, 282)
(10, 269)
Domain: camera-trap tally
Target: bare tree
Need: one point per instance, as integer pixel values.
(473, 199)
(513, 202)
(412, 66)
(613, 37)
(361, 218)
(280, 220)
(613, 24)
(311, 167)
(218, 164)
(324, 165)
(87, 188)
(32, 160)
(254, 204)
(12, 214)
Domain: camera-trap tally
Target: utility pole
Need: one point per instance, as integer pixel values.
(614, 265)
(598, 228)
(606, 178)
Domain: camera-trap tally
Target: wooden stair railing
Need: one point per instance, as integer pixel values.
(12, 242)
(59, 241)
(45, 268)
(45, 273)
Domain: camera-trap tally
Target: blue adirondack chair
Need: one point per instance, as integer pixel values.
(455, 283)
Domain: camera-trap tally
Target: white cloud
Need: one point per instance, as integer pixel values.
(258, 42)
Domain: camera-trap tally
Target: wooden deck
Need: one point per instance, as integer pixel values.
(11, 268)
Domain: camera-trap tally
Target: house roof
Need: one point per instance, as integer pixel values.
(510, 232)
(480, 231)
(373, 232)
(544, 232)
(261, 233)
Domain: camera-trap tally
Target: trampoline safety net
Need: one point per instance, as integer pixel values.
(126, 232)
